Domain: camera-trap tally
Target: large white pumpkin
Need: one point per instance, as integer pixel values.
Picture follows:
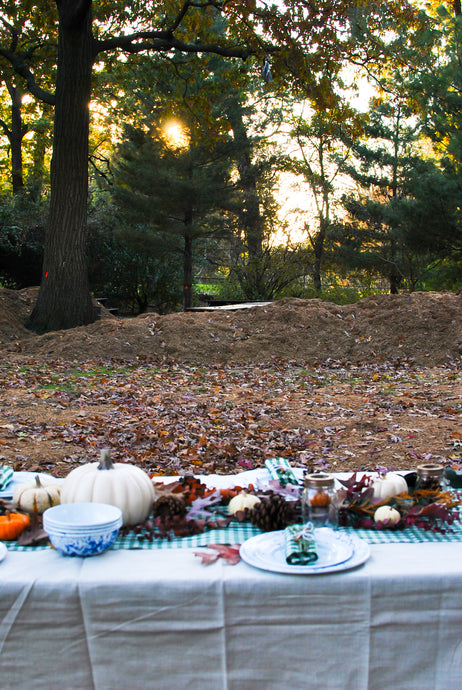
(390, 485)
(123, 485)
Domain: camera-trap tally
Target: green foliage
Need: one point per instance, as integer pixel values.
(171, 202)
(379, 234)
(21, 241)
(182, 191)
(268, 275)
(28, 35)
(444, 274)
(127, 268)
(354, 286)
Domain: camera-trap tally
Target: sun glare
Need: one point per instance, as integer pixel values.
(175, 135)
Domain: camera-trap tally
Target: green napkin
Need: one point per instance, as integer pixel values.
(280, 470)
(300, 544)
(6, 475)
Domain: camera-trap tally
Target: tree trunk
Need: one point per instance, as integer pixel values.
(318, 247)
(17, 133)
(318, 251)
(188, 261)
(395, 282)
(250, 216)
(37, 174)
(64, 299)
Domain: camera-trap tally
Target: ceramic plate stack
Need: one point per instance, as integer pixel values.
(82, 529)
(337, 551)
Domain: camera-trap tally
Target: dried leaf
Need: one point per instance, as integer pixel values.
(230, 554)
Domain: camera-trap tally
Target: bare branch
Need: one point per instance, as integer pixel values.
(19, 66)
(179, 18)
(163, 41)
(4, 126)
(94, 160)
(186, 6)
(14, 34)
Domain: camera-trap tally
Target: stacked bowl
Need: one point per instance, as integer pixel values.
(82, 529)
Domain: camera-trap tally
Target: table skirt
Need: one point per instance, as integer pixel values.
(161, 620)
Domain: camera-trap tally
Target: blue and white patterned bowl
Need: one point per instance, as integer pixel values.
(82, 529)
(81, 545)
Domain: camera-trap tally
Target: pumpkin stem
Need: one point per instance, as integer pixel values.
(38, 483)
(105, 462)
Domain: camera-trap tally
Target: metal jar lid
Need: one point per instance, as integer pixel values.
(428, 471)
(319, 480)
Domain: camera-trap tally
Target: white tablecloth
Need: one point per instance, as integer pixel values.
(160, 620)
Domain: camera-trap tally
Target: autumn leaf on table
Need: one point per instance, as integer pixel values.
(199, 506)
(207, 558)
(289, 490)
(33, 536)
(6, 506)
(230, 554)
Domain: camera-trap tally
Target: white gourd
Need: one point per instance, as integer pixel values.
(242, 501)
(122, 485)
(35, 498)
(387, 514)
(390, 485)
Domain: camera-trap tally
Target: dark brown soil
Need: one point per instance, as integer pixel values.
(425, 328)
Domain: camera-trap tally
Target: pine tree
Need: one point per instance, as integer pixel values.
(180, 191)
(375, 235)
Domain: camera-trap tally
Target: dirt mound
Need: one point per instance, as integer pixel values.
(423, 327)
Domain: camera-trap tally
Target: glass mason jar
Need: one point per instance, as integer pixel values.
(319, 500)
(430, 478)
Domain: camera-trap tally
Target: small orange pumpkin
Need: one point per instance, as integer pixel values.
(320, 500)
(12, 524)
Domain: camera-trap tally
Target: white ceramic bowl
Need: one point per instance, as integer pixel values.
(82, 529)
(82, 516)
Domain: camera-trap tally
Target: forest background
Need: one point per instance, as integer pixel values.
(193, 157)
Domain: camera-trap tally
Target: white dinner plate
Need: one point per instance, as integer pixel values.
(3, 551)
(337, 551)
(22, 478)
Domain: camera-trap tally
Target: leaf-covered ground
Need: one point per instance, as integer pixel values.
(376, 383)
(179, 418)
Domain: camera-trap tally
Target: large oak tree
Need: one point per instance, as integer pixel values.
(307, 41)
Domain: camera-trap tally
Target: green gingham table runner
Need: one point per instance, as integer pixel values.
(410, 535)
(240, 532)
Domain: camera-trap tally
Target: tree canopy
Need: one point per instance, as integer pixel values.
(74, 51)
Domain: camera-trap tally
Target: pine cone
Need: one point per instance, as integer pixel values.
(169, 504)
(272, 513)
